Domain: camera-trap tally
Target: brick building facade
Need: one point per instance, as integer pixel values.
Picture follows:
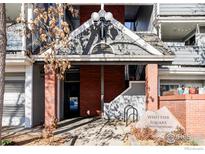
(133, 57)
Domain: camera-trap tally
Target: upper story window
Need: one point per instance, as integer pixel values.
(135, 72)
(130, 25)
(138, 17)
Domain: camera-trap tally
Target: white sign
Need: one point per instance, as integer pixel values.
(162, 120)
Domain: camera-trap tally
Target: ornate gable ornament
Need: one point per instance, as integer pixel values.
(122, 40)
(102, 37)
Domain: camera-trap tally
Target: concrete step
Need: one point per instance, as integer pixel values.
(70, 125)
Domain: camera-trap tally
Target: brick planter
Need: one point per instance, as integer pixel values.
(189, 110)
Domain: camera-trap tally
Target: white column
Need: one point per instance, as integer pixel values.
(29, 96)
(58, 99)
(30, 19)
(23, 15)
(102, 6)
(160, 31)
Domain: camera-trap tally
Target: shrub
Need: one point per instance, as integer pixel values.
(6, 142)
(143, 133)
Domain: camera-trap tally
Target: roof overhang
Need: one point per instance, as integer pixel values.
(18, 60)
(180, 19)
(108, 58)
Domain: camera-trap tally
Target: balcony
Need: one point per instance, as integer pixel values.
(181, 9)
(187, 55)
(14, 38)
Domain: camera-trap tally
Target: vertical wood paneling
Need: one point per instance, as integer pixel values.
(114, 81)
(90, 84)
(116, 10)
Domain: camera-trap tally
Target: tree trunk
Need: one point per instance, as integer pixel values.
(2, 58)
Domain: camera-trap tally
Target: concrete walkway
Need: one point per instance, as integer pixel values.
(75, 131)
(93, 131)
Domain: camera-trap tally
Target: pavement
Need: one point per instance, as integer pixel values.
(93, 132)
(80, 132)
(75, 132)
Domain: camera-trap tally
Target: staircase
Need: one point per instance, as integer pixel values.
(134, 96)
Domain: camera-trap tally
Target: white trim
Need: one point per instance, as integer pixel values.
(15, 68)
(182, 70)
(29, 96)
(91, 49)
(18, 60)
(135, 37)
(102, 6)
(181, 73)
(58, 99)
(23, 15)
(182, 19)
(29, 19)
(80, 29)
(112, 58)
(149, 48)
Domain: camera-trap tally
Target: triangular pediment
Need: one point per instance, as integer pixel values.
(119, 40)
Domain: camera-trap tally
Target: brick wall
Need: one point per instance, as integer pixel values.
(50, 98)
(189, 110)
(90, 85)
(114, 81)
(195, 117)
(151, 83)
(87, 10)
(177, 107)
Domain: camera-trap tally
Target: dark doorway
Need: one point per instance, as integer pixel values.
(72, 93)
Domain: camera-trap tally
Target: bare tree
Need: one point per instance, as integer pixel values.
(50, 30)
(2, 58)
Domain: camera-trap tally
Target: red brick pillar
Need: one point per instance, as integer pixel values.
(50, 98)
(151, 74)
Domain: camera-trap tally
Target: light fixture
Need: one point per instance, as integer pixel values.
(108, 16)
(95, 17)
(102, 19)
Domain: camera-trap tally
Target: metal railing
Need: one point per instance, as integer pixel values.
(127, 116)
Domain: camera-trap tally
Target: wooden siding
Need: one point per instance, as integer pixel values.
(184, 9)
(87, 10)
(114, 81)
(188, 55)
(14, 103)
(90, 90)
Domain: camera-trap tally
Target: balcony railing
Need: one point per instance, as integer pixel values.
(14, 38)
(187, 55)
(181, 9)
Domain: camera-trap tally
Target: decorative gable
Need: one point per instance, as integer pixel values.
(118, 41)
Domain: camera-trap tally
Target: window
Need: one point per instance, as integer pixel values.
(168, 88)
(138, 17)
(172, 87)
(136, 73)
(131, 25)
(190, 41)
